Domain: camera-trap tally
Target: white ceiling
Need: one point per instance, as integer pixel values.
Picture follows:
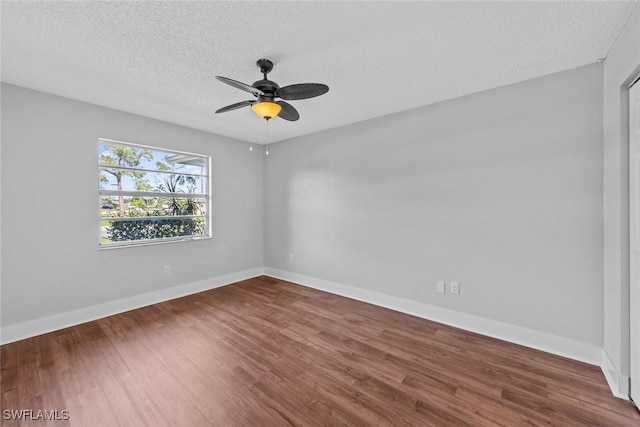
(159, 59)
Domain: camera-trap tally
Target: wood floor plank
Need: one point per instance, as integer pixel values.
(267, 352)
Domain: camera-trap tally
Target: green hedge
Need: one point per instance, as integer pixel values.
(154, 228)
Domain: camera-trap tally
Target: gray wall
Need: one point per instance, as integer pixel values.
(50, 258)
(621, 66)
(501, 191)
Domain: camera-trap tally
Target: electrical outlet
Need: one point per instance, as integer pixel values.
(167, 270)
(440, 287)
(291, 257)
(455, 288)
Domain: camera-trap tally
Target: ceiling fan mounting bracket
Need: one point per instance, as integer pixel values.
(265, 66)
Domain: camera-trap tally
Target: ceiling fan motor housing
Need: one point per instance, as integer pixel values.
(269, 88)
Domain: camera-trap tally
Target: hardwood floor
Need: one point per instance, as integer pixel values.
(265, 352)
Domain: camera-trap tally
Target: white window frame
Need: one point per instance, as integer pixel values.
(163, 240)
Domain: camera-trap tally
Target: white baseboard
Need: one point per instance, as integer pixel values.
(527, 337)
(19, 331)
(618, 383)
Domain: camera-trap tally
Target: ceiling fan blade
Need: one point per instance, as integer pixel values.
(240, 85)
(235, 106)
(288, 112)
(302, 91)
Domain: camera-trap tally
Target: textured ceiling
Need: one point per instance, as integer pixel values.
(159, 59)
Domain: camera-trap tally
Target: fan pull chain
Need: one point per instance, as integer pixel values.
(267, 140)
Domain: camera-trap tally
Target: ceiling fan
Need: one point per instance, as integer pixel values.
(266, 92)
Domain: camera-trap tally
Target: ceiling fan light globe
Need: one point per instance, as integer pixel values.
(266, 110)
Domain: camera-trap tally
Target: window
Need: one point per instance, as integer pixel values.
(151, 195)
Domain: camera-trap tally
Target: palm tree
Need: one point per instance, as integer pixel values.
(180, 206)
(118, 156)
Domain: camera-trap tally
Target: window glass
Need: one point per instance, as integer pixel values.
(151, 195)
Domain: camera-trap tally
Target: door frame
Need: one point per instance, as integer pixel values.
(634, 241)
